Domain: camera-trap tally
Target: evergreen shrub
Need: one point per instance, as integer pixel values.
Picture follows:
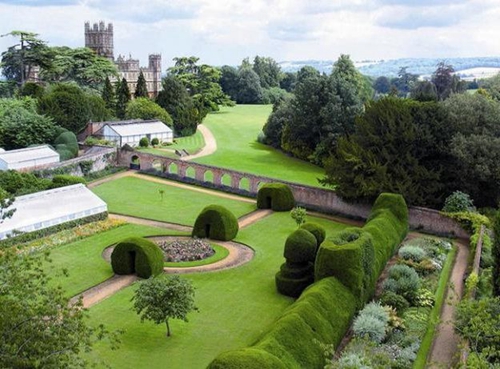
(216, 222)
(409, 252)
(300, 247)
(63, 180)
(137, 255)
(70, 141)
(317, 231)
(394, 300)
(144, 142)
(275, 196)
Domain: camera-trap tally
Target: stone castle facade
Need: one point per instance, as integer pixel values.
(99, 38)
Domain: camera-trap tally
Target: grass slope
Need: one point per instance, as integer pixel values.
(83, 259)
(192, 144)
(236, 129)
(236, 306)
(138, 197)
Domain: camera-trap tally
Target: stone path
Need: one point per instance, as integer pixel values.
(210, 144)
(445, 348)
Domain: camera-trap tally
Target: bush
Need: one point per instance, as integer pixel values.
(137, 255)
(68, 139)
(247, 358)
(63, 180)
(294, 283)
(216, 222)
(155, 141)
(404, 281)
(394, 300)
(275, 196)
(317, 231)
(414, 253)
(144, 142)
(457, 202)
(300, 247)
(367, 326)
(377, 311)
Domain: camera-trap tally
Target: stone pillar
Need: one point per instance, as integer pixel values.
(181, 169)
(254, 185)
(235, 180)
(199, 174)
(217, 177)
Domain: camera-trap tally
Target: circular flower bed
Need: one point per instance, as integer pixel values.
(186, 250)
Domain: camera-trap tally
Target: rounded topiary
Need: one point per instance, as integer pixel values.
(137, 255)
(216, 222)
(69, 139)
(144, 142)
(291, 286)
(317, 231)
(275, 196)
(155, 141)
(300, 247)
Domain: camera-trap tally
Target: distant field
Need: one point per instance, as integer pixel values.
(236, 130)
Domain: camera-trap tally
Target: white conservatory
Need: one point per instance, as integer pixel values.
(130, 132)
(52, 207)
(30, 157)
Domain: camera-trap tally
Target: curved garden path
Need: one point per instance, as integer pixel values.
(445, 347)
(210, 144)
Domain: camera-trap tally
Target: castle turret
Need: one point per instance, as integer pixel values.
(100, 39)
(155, 68)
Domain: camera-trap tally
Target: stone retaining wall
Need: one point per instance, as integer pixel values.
(324, 200)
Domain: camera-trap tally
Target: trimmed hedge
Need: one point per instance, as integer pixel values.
(322, 314)
(275, 196)
(62, 180)
(137, 255)
(357, 256)
(217, 223)
(300, 247)
(317, 231)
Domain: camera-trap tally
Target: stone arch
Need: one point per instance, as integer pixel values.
(157, 165)
(226, 180)
(135, 162)
(190, 172)
(208, 176)
(244, 184)
(172, 168)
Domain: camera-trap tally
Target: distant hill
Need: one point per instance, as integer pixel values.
(390, 68)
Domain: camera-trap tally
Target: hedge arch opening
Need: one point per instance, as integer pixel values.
(135, 162)
(137, 255)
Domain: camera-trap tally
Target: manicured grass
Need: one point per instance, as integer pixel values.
(425, 346)
(141, 198)
(236, 306)
(220, 253)
(236, 129)
(192, 144)
(83, 258)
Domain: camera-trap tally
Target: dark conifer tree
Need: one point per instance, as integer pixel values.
(108, 95)
(141, 89)
(122, 98)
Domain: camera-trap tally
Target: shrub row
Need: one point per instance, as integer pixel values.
(27, 237)
(357, 256)
(321, 315)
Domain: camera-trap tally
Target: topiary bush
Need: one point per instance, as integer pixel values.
(137, 255)
(409, 252)
(317, 231)
(300, 247)
(275, 196)
(67, 141)
(144, 142)
(155, 141)
(216, 222)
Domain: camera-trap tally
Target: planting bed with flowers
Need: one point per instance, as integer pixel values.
(186, 250)
(388, 332)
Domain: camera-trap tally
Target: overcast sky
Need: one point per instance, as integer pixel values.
(225, 31)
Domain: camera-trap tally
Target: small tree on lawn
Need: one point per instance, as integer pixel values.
(162, 298)
(299, 215)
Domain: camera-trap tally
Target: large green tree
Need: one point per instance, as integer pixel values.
(249, 88)
(143, 108)
(39, 328)
(268, 70)
(141, 89)
(108, 95)
(163, 298)
(122, 98)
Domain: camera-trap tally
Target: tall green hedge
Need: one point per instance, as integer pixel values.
(137, 255)
(322, 314)
(357, 256)
(216, 222)
(275, 196)
(317, 231)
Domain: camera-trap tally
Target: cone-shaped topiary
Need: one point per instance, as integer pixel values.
(317, 231)
(137, 255)
(275, 196)
(216, 222)
(300, 247)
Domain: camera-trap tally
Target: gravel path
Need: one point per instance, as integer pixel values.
(210, 144)
(445, 348)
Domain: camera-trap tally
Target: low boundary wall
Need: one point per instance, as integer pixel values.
(325, 200)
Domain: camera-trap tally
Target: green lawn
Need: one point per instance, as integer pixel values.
(138, 197)
(83, 259)
(236, 129)
(191, 144)
(236, 306)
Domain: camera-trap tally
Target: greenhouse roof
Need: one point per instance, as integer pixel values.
(139, 128)
(28, 154)
(47, 208)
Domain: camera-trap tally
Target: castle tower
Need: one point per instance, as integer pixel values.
(100, 39)
(155, 68)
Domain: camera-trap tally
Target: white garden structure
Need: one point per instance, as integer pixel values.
(131, 132)
(52, 207)
(28, 158)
